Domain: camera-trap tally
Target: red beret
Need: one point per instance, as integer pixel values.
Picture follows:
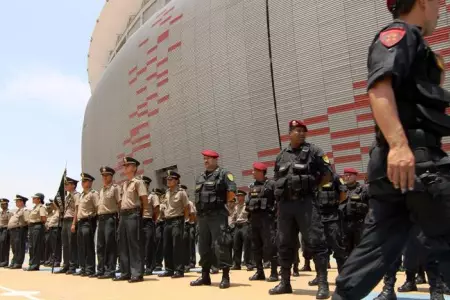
(210, 153)
(259, 166)
(391, 4)
(351, 171)
(297, 123)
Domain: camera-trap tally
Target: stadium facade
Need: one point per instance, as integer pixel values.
(170, 78)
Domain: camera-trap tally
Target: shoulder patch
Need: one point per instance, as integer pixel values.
(230, 177)
(325, 159)
(392, 36)
(440, 62)
(341, 181)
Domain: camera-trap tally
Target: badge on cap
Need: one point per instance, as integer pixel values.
(230, 177)
(325, 159)
(392, 36)
(104, 169)
(294, 123)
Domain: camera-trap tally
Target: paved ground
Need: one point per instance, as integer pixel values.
(17, 284)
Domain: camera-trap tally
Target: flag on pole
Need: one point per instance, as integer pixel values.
(61, 194)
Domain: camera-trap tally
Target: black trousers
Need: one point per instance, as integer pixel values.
(189, 244)
(173, 244)
(130, 248)
(149, 243)
(69, 243)
(242, 242)
(86, 246)
(263, 237)
(55, 245)
(106, 244)
(301, 215)
(334, 238)
(18, 240)
(387, 226)
(159, 241)
(211, 244)
(36, 234)
(4, 246)
(353, 230)
(47, 247)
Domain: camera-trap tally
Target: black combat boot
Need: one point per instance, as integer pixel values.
(205, 279)
(273, 272)
(323, 291)
(295, 271)
(421, 279)
(307, 266)
(410, 283)
(284, 287)
(259, 275)
(225, 283)
(388, 292)
(445, 289)
(314, 282)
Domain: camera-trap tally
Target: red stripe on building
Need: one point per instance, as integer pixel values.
(147, 161)
(365, 150)
(440, 35)
(360, 84)
(141, 147)
(162, 82)
(330, 154)
(163, 73)
(151, 96)
(352, 132)
(441, 3)
(447, 66)
(157, 22)
(163, 99)
(131, 71)
(151, 76)
(347, 159)
(345, 146)
(142, 105)
(444, 52)
(132, 81)
(247, 172)
(141, 90)
(152, 49)
(347, 107)
(120, 155)
(134, 131)
(161, 62)
(140, 139)
(142, 113)
(364, 117)
(446, 146)
(165, 20)
(142, 70)
(174, 46)
(151, 60)
(153, 112)
(143, 42)
(132, 115)
(316, 119)
(163, 36)
(362, 98)
(127, 141)
(174, 20)
(160, 13)
(268, 152)
(169, 10)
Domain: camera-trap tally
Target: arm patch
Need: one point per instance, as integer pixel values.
(392, 36)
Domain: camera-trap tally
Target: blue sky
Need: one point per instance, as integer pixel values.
(43, 92)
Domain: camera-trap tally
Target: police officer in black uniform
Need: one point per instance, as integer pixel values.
(36, 227)
(354, 209)
(299, 170)
(261, 206)
(214, 189)
(328, 197)
(408, 170)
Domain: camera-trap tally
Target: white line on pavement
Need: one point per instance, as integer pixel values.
(14, 293)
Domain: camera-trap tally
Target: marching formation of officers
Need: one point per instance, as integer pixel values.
(142, 230)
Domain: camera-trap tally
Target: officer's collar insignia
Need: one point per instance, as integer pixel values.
(392, 36)
(325, 159)
(230, 177)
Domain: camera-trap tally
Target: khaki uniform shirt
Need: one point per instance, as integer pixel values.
(240, 215)
(4, 218)
(18, 219)
(192, 211)
(230, 208)
(53, 219)
(176, 201)
(162, 207)
(153, 202)
(36, 213)
(87, 204)
(132, 191)
(71, 200)
(109, 199)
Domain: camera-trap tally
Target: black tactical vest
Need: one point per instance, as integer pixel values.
(328, 198)
(295, 177)
(260, 198)
(210, 191)
(356, 208)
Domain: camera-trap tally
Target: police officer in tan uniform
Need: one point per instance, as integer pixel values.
(85, 218)
(241, 239)
(149, 218)
(134, 202)
(36, 227)
(107, 219)
(176, 211)
(54, 230)
(18, 229)
(47, 247)
(69, 229)
(159, 231)
(5, 215)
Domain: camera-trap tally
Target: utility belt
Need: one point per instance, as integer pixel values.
(106, 216)
(240, 225)
(68, 219)
(175, 219)
(258, 204)
(130, 211)
(3, 228)
(32, 224)
(18, 228)
(88, 219)
(54, 228)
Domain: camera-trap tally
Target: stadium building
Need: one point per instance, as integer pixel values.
(170, 78)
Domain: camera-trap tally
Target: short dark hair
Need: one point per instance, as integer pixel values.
(402, 7)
